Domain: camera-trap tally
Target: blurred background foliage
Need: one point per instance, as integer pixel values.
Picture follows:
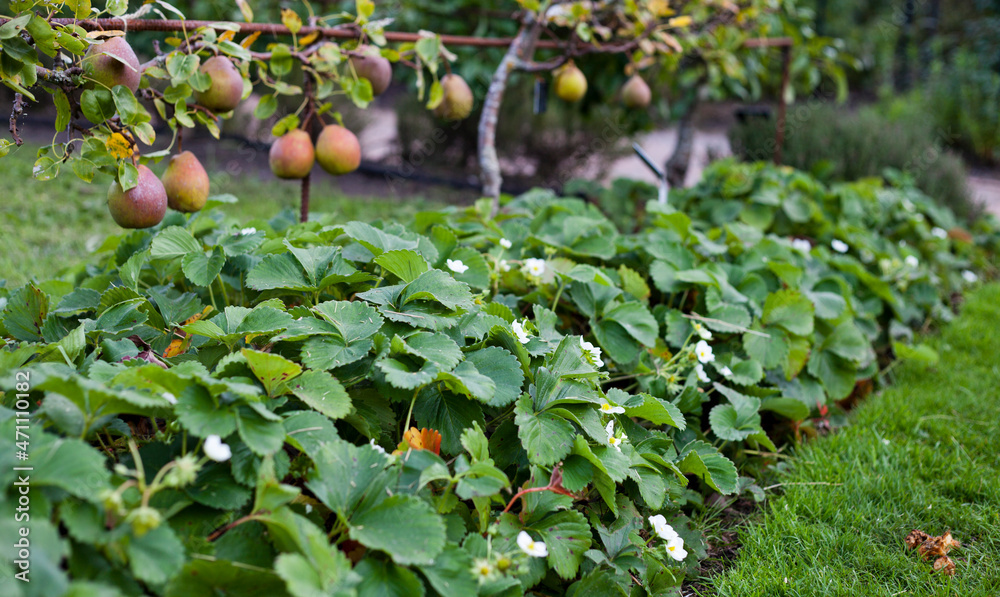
(905, 84)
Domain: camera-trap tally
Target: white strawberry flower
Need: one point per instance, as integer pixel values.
(801, 245)
(484, 570)
(456, 266)
(535, 549)
(675, 549)
(504, 266)
(248, 231)
(970, 277)
(375, 446)
(839, 246)
(661, 528)
(534, 267)
(938, 232)
(613, 440)
(702, 331)
(594, 352)
(912, 261)
(610, 409)
(217, 450)
(506, 243)
(704, 352)
(518, 328)
(700, 372)
(726, 371)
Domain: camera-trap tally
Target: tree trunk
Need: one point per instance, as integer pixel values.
(903, 42)
(677, 165)
(520, 51)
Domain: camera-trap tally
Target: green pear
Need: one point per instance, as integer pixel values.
(571, 84)
(456, 104)
(636, 93)
(186, 183)
(226, 90)
(292, 155)
(370, 64)
(142, 206)
(110, 63)
(338, 150)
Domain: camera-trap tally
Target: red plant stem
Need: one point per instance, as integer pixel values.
(521, 493)
(218, 533)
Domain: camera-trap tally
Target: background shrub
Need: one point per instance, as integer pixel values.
(838, 144)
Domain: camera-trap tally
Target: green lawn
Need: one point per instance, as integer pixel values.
(46, 226)
(924, 454)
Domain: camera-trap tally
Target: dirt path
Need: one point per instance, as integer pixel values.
(708, 144)
(987, 192)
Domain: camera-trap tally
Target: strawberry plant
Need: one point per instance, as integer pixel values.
(467, 404)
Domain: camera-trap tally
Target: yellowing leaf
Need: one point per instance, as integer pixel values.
(660, 8)
(682, 21)
(177, 346)
(106, 34)
(365, 9)
(204, 313)
(246, 10)
(118, 146)
(227, 35)
(248, 40)
(308, 39)
(291, 19)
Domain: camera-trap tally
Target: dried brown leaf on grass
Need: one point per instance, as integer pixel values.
(934, 547)
(945, 565)
(938, 546)
(915, 538)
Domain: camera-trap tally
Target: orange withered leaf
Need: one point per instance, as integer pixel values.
(944, 565)
(938, 546)
(204, 313)
(915, 538)
(177, 346)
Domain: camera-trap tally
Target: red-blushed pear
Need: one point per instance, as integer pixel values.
(636, 93)
(456, 103)
(571, 84)
(370, 64)
(142, 206)
(292, 155)
(226, 90)
(338, 150)
(186, 183)
(110, 63)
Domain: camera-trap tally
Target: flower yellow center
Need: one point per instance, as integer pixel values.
(484, 570)
(606, 407)
(671, 547)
